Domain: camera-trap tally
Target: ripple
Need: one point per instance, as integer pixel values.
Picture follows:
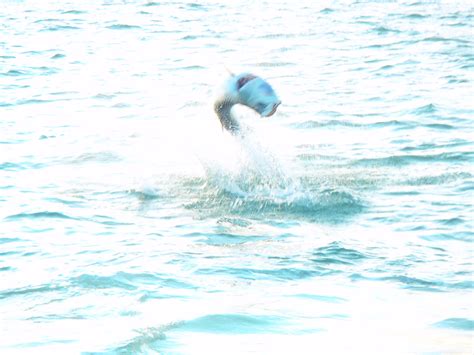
(60, 28)
(430, 146)
(39, 215)
(74, 12)
(233, 324)
(14, 72)
(402, 160)
(10, 166)
(141, 343)
(430, 108)
(441, 126)
(47, 20)
(9, 240)
(27, 291)
(416, 16)
(418, 284)
(270, 274)
(277, 35)
(104, 157)
(58, 56)
(335, 254)
(458, 236)
(381, 30)
(444, 39)
(32, 102)
(321, 298)
(452, 221)
(407, 282)
(440, 179)
(152, 3)
(274, 64)
(123, 27)
(340, 123)
(63, 201)
(190, 37)
(225, 238)
(31, 71)
(191, 67)
(456, 323)
(327, 10)
(128, 281)
(101, 282)
(148, 195)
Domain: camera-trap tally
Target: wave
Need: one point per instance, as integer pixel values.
(154, 338)
(144, 342)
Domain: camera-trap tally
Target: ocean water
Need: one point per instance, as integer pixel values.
(131, 224)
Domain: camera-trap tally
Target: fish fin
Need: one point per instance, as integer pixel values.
(228, 70)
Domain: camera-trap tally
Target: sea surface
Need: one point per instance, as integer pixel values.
(130, 223)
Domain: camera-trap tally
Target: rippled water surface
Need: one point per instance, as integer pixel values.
(130, 223)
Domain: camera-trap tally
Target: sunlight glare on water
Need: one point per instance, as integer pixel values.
(130, 222)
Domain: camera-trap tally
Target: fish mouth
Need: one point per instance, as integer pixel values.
(273, 110)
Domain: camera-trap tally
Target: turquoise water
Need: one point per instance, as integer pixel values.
(130, 223)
